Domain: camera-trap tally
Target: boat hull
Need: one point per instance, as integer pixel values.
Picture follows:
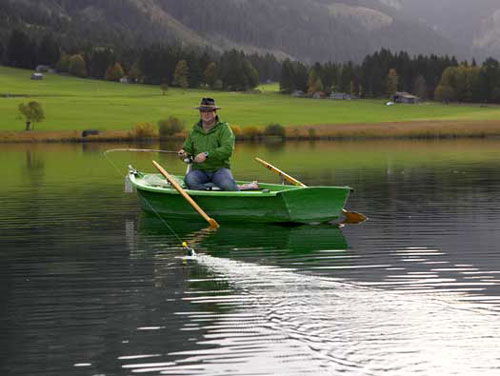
(275, 203)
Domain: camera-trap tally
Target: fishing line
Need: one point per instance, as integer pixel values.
(190, 251)
(135, 150)
(144, 150)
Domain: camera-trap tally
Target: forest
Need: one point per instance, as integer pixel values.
(379, 74)
(304, 30)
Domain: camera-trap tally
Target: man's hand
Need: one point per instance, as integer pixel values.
(182, 154)
(200, 158)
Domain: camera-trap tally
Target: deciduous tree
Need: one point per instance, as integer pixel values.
(444, 93)
(32, 112)
(114, 72)
(181, 74)
(78, 66)
(314, 83)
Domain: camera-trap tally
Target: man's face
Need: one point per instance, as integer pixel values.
(207, 116)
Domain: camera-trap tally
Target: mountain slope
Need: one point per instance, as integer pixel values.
(309, 30)
(470, 23)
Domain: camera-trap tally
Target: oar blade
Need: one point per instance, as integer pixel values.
(213, 224)
(352, 217)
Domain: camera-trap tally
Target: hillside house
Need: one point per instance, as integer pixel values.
(404, 97)
(318, 95)
(36, 76)
(341, 96)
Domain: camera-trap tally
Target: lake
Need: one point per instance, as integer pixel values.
(90, 285)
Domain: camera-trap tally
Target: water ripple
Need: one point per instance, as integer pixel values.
(292, 323)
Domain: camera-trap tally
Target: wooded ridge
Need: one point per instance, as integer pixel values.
(307, 30)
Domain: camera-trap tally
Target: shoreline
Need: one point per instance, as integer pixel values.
(358, 131)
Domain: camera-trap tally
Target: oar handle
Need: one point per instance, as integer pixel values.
(351, 217)
(282, 174)
(213, 223)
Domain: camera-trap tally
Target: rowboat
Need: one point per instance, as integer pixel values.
(271, 203)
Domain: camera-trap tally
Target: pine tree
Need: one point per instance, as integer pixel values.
(252, 76)
(286, 77)
(99, 60)
(420, 87)
(48, 51)
(63, 63)
(210, 75)
(21, 50)
(490, 80)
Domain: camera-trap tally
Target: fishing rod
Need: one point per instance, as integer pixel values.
(140, 150)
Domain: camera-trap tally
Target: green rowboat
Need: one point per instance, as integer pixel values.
(271, 203)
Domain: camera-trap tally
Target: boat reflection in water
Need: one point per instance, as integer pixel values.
(247, 240)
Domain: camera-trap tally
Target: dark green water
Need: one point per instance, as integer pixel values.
(92, 286)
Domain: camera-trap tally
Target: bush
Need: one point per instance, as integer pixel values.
(251, 132)
(236, 130)
(142, 131)
(170, 126)
(275, 130)
(164, 87)
(311, 133)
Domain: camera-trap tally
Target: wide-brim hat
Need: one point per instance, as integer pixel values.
(207, 104)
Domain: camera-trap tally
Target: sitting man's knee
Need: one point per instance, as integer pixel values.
(192, 180)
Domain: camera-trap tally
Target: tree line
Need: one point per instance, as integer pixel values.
(382, 73)
(379, 74)
(166, 65)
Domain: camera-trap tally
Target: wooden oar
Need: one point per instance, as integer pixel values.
(351, 217)
(213, 223)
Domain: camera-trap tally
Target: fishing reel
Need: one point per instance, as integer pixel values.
(188, 159)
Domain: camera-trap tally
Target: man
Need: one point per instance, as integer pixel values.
(211, 143)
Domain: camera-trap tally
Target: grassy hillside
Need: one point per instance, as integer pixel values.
(76, 104)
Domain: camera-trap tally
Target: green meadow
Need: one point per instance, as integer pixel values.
(75, 104)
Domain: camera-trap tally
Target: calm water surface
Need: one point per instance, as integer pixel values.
(92, 286)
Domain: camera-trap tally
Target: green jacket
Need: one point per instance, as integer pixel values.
(218, 142)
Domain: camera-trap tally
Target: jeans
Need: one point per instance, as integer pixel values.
(200, 180)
